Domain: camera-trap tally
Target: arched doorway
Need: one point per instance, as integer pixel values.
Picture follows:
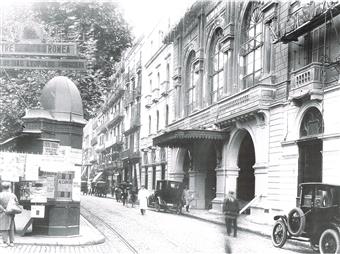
(245, 162)
(310, 147)
(210, 180)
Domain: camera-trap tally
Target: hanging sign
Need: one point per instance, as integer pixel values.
(46, 49)
(50, 64)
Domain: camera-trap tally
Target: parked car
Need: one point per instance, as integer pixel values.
(167, 196)
(315, 219)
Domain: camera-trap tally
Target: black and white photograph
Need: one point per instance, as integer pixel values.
(169, 126)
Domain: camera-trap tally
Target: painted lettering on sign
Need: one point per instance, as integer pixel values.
(32, 63)
(49, 49)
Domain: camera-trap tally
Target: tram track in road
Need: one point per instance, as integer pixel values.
(93, 216)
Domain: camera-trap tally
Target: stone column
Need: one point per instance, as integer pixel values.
(217, 203)
(231, 179)
(197, 186)
(176, 176)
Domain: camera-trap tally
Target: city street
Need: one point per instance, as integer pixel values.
(127, 231)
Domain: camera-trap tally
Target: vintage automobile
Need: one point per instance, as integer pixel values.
(315, 219)
(167, 196)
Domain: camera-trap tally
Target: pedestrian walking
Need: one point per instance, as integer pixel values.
(230, 209)
(187, 198)
(118, 194)
(124, 196)
(143, 195)
(7, 219)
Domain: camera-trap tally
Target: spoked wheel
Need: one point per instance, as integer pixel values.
(279, 234)
(314, 245)
(157, 206)
(329, 242)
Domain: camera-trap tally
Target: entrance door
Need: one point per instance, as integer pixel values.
(246, 177)
(310, 161)
(210, 180)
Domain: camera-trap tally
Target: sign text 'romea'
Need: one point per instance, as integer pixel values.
(48, 49)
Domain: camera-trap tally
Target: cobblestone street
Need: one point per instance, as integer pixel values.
(127, 231)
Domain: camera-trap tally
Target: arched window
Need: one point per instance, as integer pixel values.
(149, 124)
(216, 62)
(157, 120)
(166, 115)
(252, 46)
(312, 123)
(191, 79)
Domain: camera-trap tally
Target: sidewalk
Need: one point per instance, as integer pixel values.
(88, 234)
(244, 222)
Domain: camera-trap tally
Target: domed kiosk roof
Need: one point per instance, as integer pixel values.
(61, 97)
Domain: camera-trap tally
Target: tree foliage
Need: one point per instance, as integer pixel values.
(101, 34)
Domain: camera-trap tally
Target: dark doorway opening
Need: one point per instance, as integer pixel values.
(246, 178)
(210, 180)
(310, 161)
(163, 172)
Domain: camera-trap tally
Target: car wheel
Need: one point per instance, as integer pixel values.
(314, 245)
(329, 242)
(279, 234)
(296, 221)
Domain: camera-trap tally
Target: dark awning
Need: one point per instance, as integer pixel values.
(184, 138)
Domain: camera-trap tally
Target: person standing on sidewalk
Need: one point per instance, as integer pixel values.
(6, 220)
(230, 209)
(187, 198)
(143, 195)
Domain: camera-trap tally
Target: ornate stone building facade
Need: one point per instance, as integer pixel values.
(251, 105)
(255, 91)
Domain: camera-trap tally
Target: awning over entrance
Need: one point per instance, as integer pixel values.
(184, 138)
(96, 178)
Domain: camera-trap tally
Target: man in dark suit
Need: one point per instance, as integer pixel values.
(230, 209)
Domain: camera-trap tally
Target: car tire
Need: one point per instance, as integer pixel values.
(296, 215)
(279, 234)
(329, 242)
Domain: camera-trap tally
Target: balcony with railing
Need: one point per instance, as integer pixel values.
(165, 87)
(250, 103)
(155, 94)
(307, 81)
(306, 16)
(115, 143)
(130, 154)
(94, 141)
(118, 93)
(134, 120)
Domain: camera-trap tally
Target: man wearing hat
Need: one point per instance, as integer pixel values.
(6, 220)
(230, 209)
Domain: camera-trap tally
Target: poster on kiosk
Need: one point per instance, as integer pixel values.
(41, 178)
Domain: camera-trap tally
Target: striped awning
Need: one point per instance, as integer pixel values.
(185, 138)
(96, 178)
